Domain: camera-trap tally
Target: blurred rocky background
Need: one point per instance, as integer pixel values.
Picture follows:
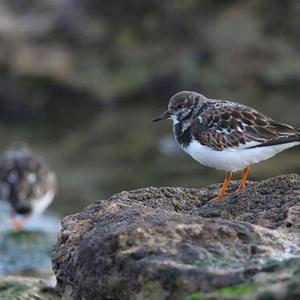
(81, 81)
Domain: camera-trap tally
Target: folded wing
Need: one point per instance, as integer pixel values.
(227, 125)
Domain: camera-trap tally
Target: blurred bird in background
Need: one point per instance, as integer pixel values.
(26, 184)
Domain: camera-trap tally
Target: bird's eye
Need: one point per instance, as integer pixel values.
(179, 106)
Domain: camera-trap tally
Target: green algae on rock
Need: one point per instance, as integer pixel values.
(20, 288)
(225, 293)
(282, 284)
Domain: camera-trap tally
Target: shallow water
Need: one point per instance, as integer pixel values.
(28, 251)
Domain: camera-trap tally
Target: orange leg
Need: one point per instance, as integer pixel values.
(244, 179)
(17, 224)
(224, 187)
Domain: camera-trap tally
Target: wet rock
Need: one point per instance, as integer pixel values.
(280, 285)
(167, 243)
(15, 288)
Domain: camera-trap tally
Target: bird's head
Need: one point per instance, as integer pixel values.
(17, 190)
(182, 106)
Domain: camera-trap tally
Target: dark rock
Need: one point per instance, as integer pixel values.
(167, 243)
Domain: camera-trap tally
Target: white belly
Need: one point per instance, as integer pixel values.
(233, 159)
(41, 204)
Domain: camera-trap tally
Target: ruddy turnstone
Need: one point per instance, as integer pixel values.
(226, 135)
(26, 183)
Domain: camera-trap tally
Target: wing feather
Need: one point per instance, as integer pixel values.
(231, 125)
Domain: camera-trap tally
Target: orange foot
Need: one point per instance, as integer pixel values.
(18, 224)
(243, 183)
(223, 189)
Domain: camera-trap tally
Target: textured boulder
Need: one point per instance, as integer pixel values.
(168, 243)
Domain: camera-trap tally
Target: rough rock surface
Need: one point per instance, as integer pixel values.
(168, 243)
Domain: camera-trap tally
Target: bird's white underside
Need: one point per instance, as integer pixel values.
(234, 159)
(42, 203)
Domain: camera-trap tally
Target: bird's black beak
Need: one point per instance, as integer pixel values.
(165, 115)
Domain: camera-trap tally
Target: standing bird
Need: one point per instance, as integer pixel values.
(26, 183)
(226, 135)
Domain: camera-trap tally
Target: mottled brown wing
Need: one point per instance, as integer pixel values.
(229, 125)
